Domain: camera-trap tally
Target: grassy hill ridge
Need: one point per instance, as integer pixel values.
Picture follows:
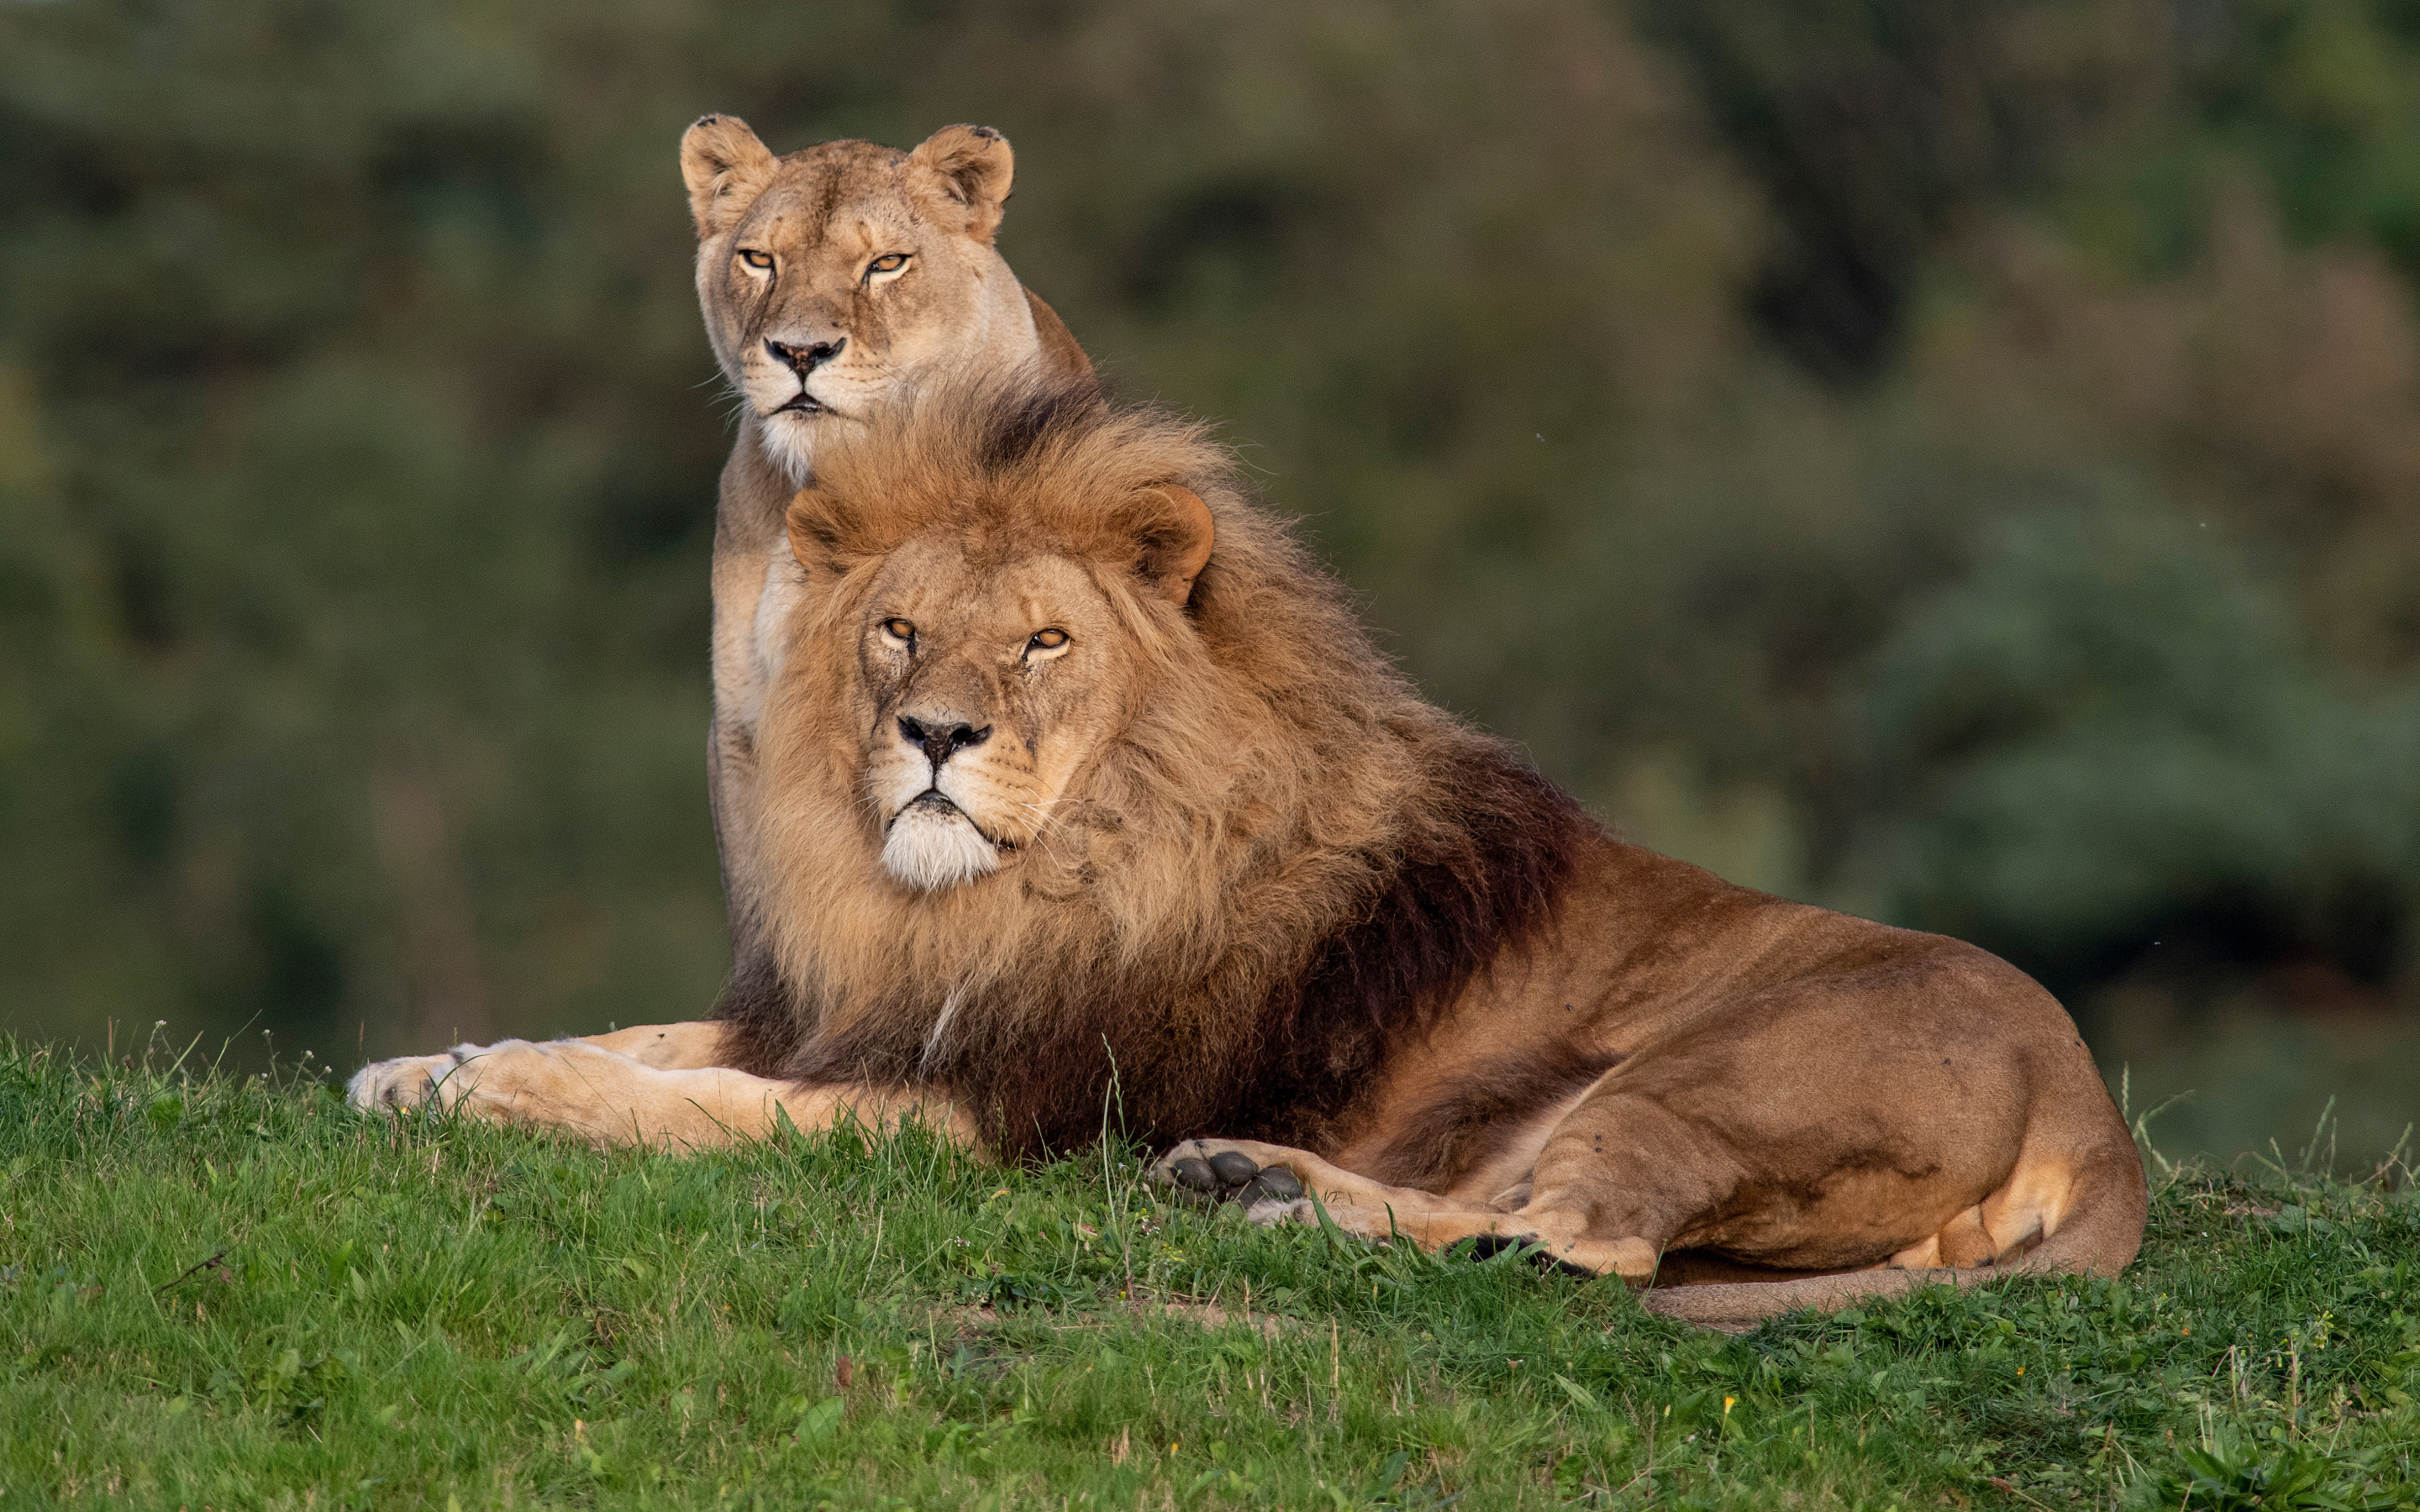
(237, 1293)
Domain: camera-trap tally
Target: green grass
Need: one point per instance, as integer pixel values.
(237, 1293)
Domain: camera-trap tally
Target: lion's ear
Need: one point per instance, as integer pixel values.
(1172, 534)
(974, 166)
(726, 167)
(820, 525)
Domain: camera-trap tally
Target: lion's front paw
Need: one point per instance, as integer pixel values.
(1238, 1171)
(411, 1081)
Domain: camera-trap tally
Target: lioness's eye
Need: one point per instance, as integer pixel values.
(1051, 640)
(761, 261)
(902, 631)
(890, 262)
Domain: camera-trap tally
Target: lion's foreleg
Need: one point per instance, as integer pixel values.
(609, 1098)
(692, 1046)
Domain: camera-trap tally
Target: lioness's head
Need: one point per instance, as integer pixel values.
(993, 644)
(833, 278)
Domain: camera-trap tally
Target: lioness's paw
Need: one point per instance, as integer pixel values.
(1237, 1171)
(411, 1081)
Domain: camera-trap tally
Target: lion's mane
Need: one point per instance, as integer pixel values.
(1282, 862)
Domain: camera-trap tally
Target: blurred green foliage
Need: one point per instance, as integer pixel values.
(1955, 460)
(2101, 731)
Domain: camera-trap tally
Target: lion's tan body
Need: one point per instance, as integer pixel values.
(1816, 1091)
(1076, 765)
(819, 217)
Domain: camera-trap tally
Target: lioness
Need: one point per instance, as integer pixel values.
(1079, 771)
(832, 280)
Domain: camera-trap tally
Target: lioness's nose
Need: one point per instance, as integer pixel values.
(805, 360)
(940, 742)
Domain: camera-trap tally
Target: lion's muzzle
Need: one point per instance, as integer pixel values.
(944, 827)
(933, 844)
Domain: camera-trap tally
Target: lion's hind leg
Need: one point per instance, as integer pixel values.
(1276, 1184)
(1372, 1210)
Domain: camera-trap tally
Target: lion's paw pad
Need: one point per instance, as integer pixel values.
(1273, 1183)
(1232, 1176)
(1195, 1175)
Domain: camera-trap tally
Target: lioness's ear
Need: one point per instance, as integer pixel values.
(819, 524)
(726, 167)
(1172, 532)
(974, 167)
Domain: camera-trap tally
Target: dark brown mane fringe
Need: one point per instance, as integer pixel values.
(1028, 413)
(1475, 882)
(760, 1024)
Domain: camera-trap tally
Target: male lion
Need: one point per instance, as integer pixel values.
(832, 280)
(1080, 775)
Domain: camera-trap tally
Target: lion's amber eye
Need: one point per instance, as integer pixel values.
(1051, 640)
(902, 631)
(761, 261)
(890, 262)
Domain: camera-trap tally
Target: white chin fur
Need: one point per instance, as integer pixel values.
(789, 440)
(930, 847)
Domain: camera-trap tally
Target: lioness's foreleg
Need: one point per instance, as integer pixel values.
(610, 1098)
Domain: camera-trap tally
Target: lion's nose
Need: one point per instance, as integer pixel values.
(940, 742)
(805, 360)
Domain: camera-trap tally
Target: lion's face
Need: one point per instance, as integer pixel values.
(986, 665)
(983, 692)
(834, 278)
